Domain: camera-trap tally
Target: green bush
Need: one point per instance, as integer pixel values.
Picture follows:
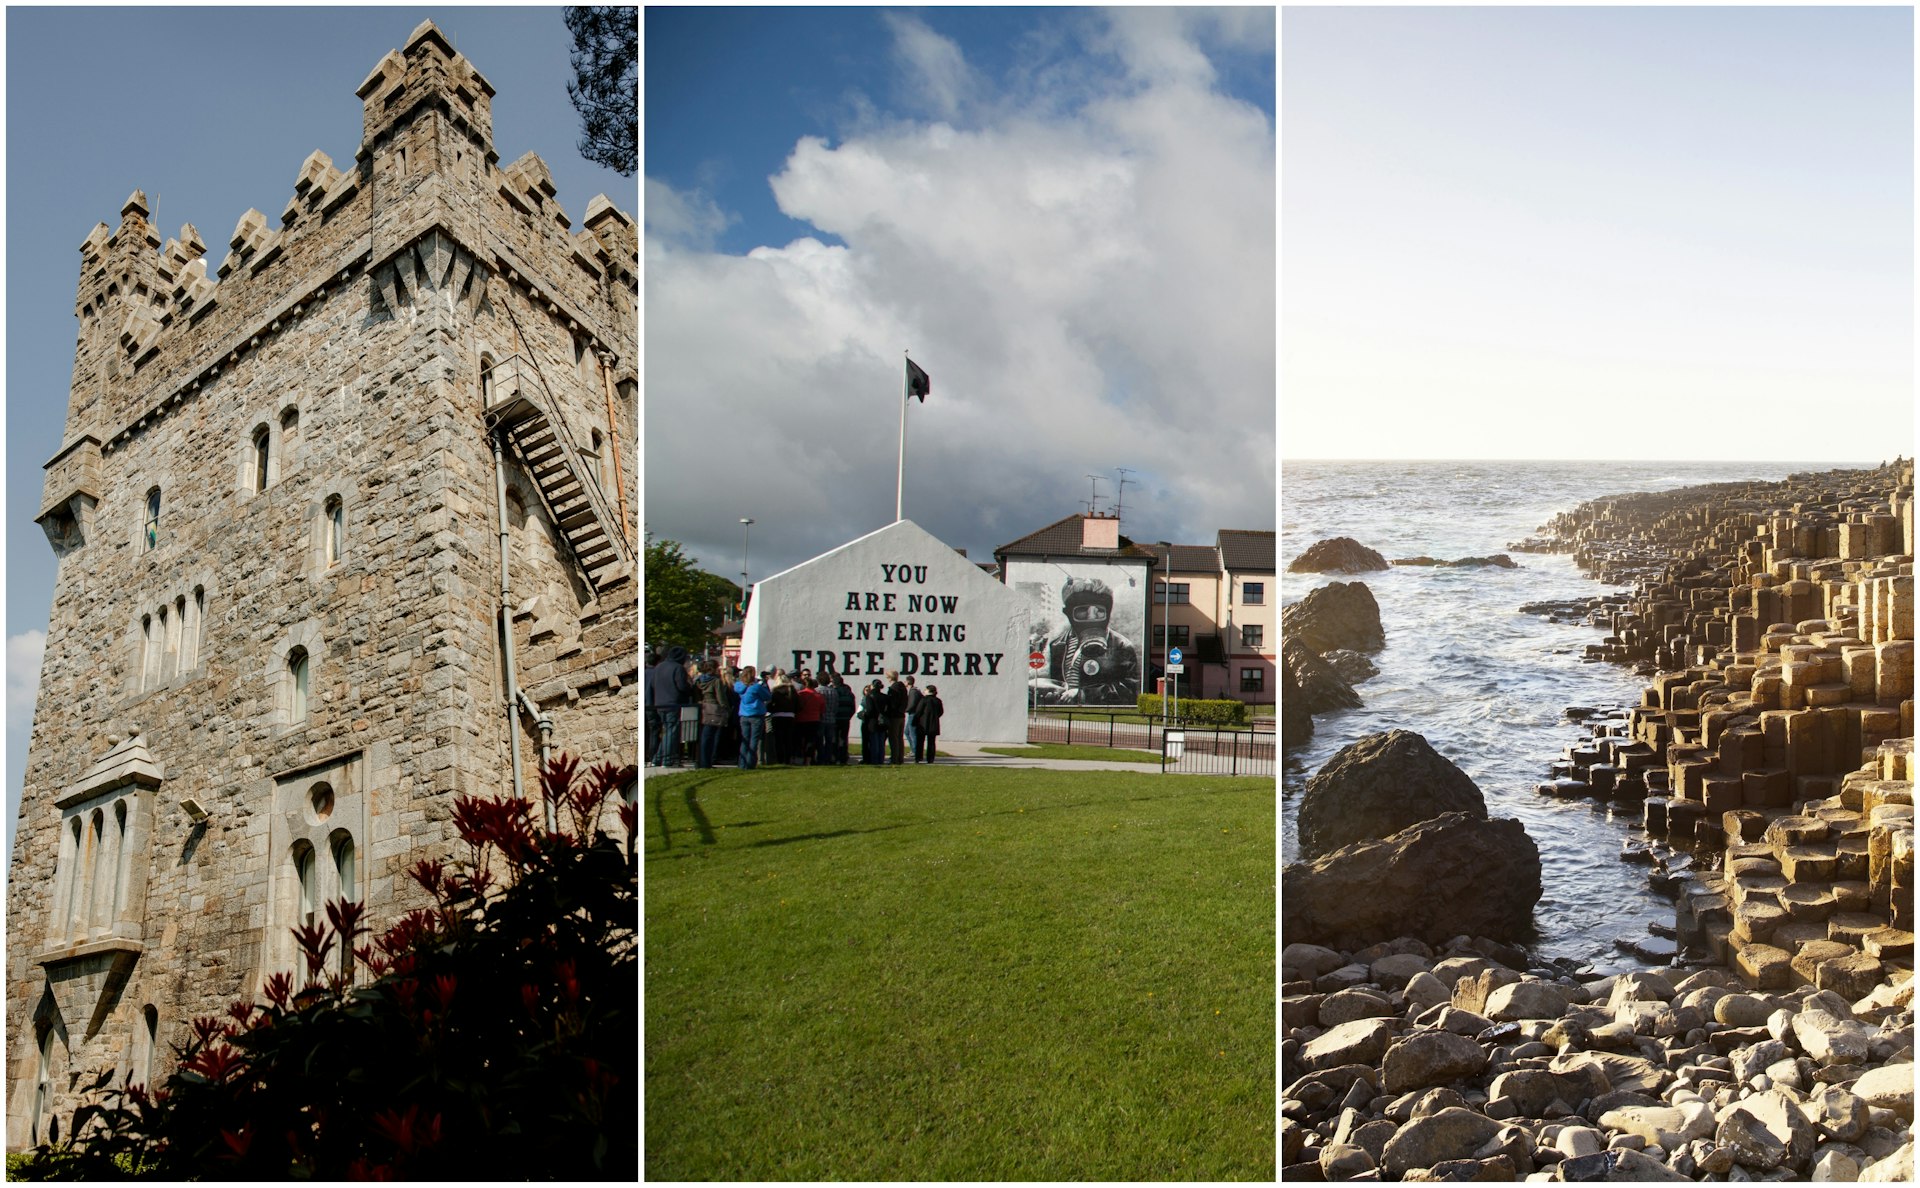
(491, 1036)
(1196, 712)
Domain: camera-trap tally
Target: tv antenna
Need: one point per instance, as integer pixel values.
(1120, 500)
(1093, 504)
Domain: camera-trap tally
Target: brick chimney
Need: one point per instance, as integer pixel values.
(1100, 532)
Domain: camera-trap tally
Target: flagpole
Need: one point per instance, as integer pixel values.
(900, 479)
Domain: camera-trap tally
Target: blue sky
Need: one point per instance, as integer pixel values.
(210, 111)
(1548, 233)
(1066, 214)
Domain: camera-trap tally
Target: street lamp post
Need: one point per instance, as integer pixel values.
(1166, 637)
(746, 526)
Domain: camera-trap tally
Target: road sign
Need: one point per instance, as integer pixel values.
(1173, 657)
(1176, 669)
(1036, 660)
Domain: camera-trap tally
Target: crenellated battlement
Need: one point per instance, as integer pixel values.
(158, 322)
(427, 74)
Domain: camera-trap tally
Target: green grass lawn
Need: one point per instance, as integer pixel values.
(959, 974)
(1058, 751)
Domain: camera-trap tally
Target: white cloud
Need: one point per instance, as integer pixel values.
(691, 219)
(23, 679)
(932, 68)
(1089, 290)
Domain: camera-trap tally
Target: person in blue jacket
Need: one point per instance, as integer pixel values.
(753, 716)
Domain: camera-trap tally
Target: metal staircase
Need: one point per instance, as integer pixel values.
(567, 486)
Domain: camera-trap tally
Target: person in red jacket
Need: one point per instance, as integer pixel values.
(806, 718)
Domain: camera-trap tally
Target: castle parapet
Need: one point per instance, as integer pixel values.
(427, 71)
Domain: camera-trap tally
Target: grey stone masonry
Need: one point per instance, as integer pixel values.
(275, 654)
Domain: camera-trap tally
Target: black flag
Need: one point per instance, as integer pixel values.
(919, 383)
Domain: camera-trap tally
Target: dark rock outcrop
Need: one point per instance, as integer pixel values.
(1455, 874)
(1296, 723)
(1498, 561)
(1379, 786)
(1339, 615)
(1312, 682)
(1351, 665)
(1341, 554)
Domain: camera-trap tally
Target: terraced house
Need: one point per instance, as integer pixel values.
(343, 530)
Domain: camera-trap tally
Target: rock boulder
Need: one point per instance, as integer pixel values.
(1311, 682)
(1337, 615)
(1455, 874)
(1378, 786)
(1341, 554)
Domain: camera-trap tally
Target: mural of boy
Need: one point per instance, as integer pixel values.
(1088, 662)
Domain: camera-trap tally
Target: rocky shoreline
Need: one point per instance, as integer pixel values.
(1769, 763)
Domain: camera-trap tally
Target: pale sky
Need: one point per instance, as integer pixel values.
(1659, 233)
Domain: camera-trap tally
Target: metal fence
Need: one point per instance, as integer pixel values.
(1194, 750)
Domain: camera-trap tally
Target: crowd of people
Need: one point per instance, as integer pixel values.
(782, 717)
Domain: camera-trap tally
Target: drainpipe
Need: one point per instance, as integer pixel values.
(613, 443)
(545, 725)
(506, 616)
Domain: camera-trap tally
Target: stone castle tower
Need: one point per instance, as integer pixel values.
(343, 531)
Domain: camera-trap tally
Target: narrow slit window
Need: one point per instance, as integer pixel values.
(297, 673)
(152, 1019)
(199, 619)
(343, 865)
(336, 529)
(303, 876)
(262, 451)
(151, 534)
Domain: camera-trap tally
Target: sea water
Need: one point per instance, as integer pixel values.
(1485, 684)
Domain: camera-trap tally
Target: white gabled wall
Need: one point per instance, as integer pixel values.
(900, 599)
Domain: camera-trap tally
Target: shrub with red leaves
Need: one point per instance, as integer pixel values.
(494, 1035)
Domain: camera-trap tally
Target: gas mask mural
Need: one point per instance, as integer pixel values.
(1088, 661)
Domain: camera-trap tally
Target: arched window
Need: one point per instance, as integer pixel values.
(43, 1082)
(262, 452)
(143, 1069)
(343, 865)
(199, 623)
(146, 652)
(73, 926)
(305, 907)
(96, 858)
(336, 529)
(598, 458)
(289, 429)
(486, 379)
(162, 647)
(119, 861)
(170, 644)
(297, 673)
(152, 533)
